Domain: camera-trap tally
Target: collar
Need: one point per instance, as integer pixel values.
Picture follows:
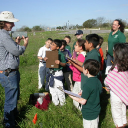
(116, 32)
(46, 47)
(92, 77)
(3, 30)
(92, 51)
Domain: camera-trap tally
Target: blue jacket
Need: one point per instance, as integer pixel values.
(50, 79)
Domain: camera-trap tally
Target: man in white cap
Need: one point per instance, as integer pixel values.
(9, 63)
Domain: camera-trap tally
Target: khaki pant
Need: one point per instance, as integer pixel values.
(68, 79)
(77, 89)
(118, 109)
(57, 95)
(91, 123)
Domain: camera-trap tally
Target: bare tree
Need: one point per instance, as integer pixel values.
(100, 21)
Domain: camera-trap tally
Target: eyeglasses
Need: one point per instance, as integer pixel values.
(114, 24)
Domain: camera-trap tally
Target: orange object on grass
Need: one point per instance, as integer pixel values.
(35, 119)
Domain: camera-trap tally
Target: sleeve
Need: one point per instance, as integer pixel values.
(69, 53)
(81, 58)
(62, 58)
(73, 46)
(69, 49)
(122, 38)
(86, 92)
(40, 52)
(11, 46)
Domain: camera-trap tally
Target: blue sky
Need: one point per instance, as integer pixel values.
(54, 13)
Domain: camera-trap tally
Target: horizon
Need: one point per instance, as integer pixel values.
(59, 13)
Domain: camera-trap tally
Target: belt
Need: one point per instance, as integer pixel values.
(42, 62)
(11, 70)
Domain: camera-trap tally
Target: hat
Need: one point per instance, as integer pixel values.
(78, 32)
(7, 16)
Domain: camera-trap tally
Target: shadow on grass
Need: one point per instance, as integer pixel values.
(22, 113)
(104, 103)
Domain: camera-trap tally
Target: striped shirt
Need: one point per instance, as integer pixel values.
(118, 83)
(9, 51)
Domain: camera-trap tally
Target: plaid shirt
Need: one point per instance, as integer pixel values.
(9, 51)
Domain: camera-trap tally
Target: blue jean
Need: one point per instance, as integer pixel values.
(109, 60)
(11, 87)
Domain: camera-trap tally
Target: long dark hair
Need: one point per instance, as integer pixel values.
(122, 26)
(120, 57)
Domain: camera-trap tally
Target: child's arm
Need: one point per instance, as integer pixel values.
(79, 62)
(60, 63)
(41, 58)
(77, 66)
(107, 88)
(80, 100)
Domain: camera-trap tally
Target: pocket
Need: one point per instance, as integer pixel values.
(12, 74)
(12, 80)
(3, 79)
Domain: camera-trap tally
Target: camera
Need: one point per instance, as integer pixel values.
(20, 34)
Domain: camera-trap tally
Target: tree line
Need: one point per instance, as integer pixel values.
(90, 23)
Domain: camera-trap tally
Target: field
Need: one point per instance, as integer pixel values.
(56, 116)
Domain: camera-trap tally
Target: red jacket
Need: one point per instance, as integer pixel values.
(102, 58)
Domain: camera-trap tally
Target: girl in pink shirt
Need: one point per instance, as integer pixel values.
(80, 49)
(117, 82)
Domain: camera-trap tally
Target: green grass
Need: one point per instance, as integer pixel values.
(55, 117)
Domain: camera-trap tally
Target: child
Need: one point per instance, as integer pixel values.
(101, 52)
(57, 95)
(101, 55)
(68, 40)
(79, 35)
(66, 70)
(90, 96)
(92, 40)
(79, 47)
(117, 82)
(42, 64)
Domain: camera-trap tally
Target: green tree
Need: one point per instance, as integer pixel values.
(59, 27)
(27, 29)
(90, 23)
(37, 28)
(106, 25)
(24, 28)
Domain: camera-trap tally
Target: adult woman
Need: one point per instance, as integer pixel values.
(116, 36)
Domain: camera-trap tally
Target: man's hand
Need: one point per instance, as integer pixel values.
(25, 41)
(18, 39)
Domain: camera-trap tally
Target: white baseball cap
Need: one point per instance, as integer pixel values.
(7, 16)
